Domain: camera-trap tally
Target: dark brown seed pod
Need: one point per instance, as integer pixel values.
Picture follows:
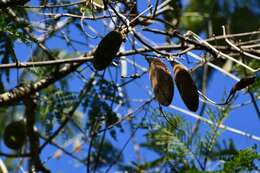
(186, 87)
(161, 81)
(15, 134)
(243, 83)
(107, 50)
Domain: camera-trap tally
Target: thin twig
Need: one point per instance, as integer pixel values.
(222, 126)
(121, 151)
(61, 5)
(221, 54)
(61, 148)
(85, 90)
(214, 38)
(128, 115)
(237, 48)
(214, 66)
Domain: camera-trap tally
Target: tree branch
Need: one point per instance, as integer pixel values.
(21, 91)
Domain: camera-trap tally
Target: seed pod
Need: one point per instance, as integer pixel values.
(15, 134)
(107, 50)
(161, 81)
(244, 82)
(186, 87)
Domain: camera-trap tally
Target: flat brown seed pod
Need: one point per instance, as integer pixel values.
(161, 81)
(107, 50)
(186, 87)
(243, 83)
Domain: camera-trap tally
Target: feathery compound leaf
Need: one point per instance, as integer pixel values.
(186, 87)
(243, 161)
(161, 81)
(107, 50)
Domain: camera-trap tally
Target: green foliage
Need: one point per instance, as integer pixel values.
(255, 87)
(223, 152)
(169, 140)
(236, 14)
(106, 90)
(55, 107)
(10, 32)
(242, 161)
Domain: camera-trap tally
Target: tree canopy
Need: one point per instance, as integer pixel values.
(129, 86)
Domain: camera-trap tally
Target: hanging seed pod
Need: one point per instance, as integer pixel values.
(186, 87)
(15, 134)
(107, 50)
(243, 83)
(161, 81)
